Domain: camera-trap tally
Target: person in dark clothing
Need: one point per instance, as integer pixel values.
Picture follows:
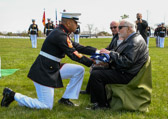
(162, 34)
(33, 31)
(76, 34)
(156, 34)
(126, 60)
(48, 27)
(113, 44)
(148, 35)
(47, 72)
(142, 26)
(115, 40)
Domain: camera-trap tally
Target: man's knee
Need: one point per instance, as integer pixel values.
(81, 69)
(95, 74)
(94, 77)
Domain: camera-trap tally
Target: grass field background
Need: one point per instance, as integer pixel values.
(18, 54)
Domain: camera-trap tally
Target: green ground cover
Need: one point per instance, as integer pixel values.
(18, 54)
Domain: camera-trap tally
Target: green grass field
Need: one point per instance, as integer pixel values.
(18, 54)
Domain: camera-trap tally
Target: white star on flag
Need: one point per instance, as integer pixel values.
(104, 59)
(97, 56)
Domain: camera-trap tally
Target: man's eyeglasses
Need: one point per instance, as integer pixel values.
(120, 27)
(114, 27)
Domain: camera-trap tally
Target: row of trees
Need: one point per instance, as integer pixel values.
(24, 33)
(92, 31)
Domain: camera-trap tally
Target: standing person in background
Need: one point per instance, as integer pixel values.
(162, 35)
(156, 35)
(48, 27)
(148, 35)
(33, 31)
(141, 26)
(76, 34)
(59, 22)
(53, 24)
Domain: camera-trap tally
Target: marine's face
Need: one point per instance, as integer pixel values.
(49, 21)
(73, 25)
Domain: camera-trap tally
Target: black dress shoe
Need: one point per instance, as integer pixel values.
(96, 106)
(83, 92)
(8, 97)
(66, 102)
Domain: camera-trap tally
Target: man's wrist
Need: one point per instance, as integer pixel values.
(97, 52)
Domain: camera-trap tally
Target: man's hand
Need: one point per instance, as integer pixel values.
(139, 21)
(102, 64)
(104, 51)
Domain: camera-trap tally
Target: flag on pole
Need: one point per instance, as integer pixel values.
(43, 20)
(56, 16)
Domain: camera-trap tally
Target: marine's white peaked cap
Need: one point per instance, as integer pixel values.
(74, 16)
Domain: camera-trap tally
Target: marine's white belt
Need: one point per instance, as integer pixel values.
(50, 56)
(33, 30)
(49, 29)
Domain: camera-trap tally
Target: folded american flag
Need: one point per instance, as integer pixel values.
(101, 57)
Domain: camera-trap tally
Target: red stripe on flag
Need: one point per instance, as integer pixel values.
(43, 20)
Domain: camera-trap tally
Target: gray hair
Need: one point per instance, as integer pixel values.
(130, 23)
